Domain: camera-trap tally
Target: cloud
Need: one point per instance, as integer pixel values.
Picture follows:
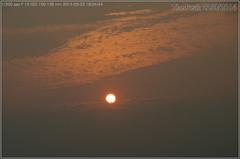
(119, 45)
(136, 12)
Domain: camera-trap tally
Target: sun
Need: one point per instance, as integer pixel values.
(110, 98)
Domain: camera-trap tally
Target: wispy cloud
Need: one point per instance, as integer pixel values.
(101, 104)
(136, 12)
(45, 29)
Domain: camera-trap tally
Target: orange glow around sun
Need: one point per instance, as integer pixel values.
(110, 98)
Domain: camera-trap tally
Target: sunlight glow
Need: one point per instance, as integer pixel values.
(110, 98)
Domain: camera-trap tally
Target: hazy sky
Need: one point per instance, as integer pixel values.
(174, 74)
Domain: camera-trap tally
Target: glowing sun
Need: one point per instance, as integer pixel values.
(110, 98)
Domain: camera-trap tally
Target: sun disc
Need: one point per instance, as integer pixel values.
(110, 98)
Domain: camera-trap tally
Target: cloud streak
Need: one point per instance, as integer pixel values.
(136, 12)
